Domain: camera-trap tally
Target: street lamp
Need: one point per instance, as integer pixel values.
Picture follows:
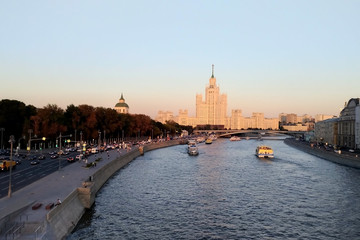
(2, 134)
(41, 144)
(99, 141)
(81, 138)
(29, 145)
(11, 141)
(60, 151)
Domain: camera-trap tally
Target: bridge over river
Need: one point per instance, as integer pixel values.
(252, 133)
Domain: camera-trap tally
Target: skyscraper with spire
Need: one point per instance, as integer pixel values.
(213, 109)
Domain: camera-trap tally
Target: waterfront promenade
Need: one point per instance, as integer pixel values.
(345, 158)
(20, 221)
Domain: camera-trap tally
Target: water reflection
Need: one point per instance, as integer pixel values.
(227, 193)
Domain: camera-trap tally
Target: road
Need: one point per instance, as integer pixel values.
(25, 173)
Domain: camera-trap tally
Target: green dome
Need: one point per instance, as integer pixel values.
(121, 105)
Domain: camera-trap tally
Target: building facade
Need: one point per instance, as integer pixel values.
(348, 126)
(326, 131)
(343, 131)
(212, 109)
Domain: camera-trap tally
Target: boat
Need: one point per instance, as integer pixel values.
(193, 150)
(264, 152)
(200, 139)
(235, 138)
(208, 141)
(213, 137)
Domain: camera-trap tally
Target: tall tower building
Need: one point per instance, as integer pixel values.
(213, 109)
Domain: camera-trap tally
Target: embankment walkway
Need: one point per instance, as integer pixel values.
(75, 185)
(350, 160)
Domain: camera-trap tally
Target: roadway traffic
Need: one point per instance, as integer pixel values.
(30, 169)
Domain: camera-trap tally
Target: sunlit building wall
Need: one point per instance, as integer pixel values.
(211, 110)
(327, 131)
(164, 116)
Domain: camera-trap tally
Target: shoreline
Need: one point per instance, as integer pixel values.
(342, 159)
(75, 185)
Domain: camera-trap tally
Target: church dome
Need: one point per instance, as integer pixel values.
(121, 106)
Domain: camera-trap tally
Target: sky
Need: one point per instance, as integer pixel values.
(273, 57)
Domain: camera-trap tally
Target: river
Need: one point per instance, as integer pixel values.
(226, 193)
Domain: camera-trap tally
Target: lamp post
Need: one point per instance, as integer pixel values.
(41, 144)
(81, 138)
(60, 151)
(29, 145)
(11, 141)
(75, 139)
(99, 141)
(2, 134)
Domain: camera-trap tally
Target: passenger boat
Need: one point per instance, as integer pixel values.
(213, 137)
(235, 138)
(264, 152)
(208, 141)
(193, 150)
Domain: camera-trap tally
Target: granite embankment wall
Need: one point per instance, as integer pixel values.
(346, 160)
(63, 219)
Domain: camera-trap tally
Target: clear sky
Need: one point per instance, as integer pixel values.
(269, 56)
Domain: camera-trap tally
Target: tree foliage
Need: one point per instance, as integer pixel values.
(17, 118)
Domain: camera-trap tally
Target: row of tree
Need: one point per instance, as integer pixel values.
(17, 118)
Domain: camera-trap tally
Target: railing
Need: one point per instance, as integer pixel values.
(15, 231)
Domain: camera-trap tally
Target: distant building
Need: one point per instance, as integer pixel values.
(343, 131)
(121, 106)
(327, 131)
(349, 125)
(322, 117)
(163, 116)
(296, 127)
(212, 111)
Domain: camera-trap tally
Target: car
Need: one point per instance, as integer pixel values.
(41, 157)
(31, 158)
(78, 157)
(35, 162)
(70, 159)
(18, 162)
(54, 156)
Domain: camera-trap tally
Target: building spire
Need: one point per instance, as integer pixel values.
(212, 75)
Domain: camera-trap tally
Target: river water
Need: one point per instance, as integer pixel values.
(226, 193)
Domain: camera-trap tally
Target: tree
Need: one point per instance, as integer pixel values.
(49, 121)
(14, 118)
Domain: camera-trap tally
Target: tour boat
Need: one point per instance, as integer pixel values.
(235, 138)
(264, 152)
(212, 137)
(193, 150)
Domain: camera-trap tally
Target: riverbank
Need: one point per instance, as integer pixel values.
(342, 159)
(75, 185)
